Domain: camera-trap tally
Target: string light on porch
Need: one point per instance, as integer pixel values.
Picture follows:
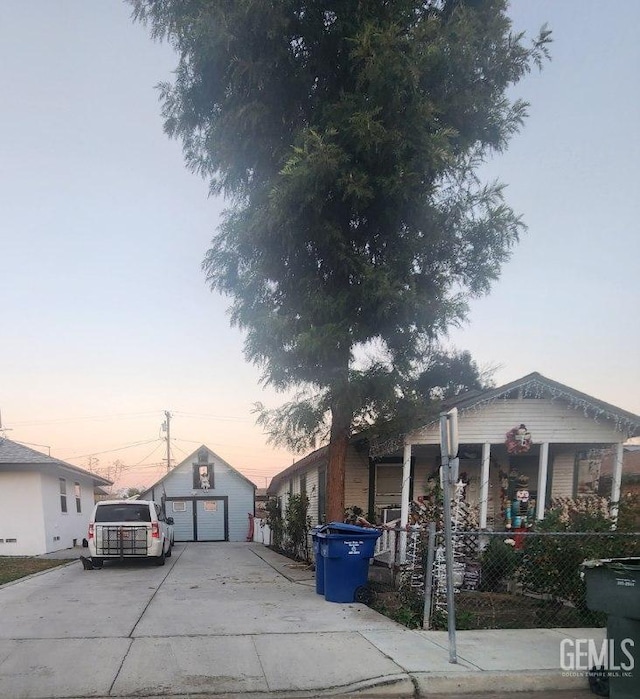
(537, 389)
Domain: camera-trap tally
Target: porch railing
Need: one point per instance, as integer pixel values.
(386, 544)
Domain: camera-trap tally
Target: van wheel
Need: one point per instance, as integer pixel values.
(168, 553)
(160, 559)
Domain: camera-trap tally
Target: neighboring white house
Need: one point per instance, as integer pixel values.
(569, 435)
(208, 499)
(45, 503)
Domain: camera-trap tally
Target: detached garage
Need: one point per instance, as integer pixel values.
(208, 499)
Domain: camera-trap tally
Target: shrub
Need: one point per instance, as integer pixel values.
(499, 562)
(297, 525)
(275, 522)
(551, 564)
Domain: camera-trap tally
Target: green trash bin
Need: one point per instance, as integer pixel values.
(613, 586)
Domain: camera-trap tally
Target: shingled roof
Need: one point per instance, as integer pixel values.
(16, 454)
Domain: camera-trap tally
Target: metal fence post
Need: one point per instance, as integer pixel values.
(428, 575)
(448, 538)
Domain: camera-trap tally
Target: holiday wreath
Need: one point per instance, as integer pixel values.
(518, 440)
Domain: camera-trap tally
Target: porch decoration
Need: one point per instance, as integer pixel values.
(518, 440)
(519, 509)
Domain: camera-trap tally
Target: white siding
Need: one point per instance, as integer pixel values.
(311, 473)
(21, 515)
(312, 494)
(62, 528)
(356, 480)
(547, 420)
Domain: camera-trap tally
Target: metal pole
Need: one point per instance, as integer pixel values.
(167, 414)
(428, 576)
(448, 543)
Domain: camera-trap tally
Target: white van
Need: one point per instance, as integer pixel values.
(129, 529)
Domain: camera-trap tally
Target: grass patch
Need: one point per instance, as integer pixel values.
(15, 568)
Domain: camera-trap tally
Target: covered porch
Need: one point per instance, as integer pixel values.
(493, 477)
(521, 446)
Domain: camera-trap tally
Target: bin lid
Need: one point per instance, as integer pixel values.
(630, 564)
(351, 530)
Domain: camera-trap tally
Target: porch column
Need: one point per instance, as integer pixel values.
(543, 469)
(404, 507)
(616, 480)
(484, 484)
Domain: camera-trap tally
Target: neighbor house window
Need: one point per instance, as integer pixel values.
(63, 495)
(210, 506)
(179, 506)
(203, 472)
(78, 494)
(587, 472)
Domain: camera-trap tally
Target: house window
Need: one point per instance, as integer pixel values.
(290, 491)
(587, 472)
(179, 506)
(303, 485)
(202, 476)
(63, 495)
(203, 472)
(78, 496)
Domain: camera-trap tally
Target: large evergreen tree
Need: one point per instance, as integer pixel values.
(346, 136)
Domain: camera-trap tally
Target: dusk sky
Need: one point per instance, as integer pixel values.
(105, 317)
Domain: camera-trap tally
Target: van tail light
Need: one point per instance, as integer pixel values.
(91, 531)
(155, 530)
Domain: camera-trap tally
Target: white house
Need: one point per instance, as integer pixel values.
(45, 503)
(567, 435)
(208, 499)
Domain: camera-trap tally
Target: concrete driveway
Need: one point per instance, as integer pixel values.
(237, 619)
(215, 619)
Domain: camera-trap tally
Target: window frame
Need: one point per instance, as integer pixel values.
(62, 492)
(77, 492)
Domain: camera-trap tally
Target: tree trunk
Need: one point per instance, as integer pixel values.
(338, 444)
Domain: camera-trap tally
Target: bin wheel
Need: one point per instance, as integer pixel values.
(599, 681)
(365, 595)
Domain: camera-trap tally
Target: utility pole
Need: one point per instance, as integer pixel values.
(167, 428)
(4, 429)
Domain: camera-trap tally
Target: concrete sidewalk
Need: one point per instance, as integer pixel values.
(488, 661)
(240, 620)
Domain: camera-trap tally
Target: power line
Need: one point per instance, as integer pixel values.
(180, 449)
(79, 419)
(154, 450)
(108, 451)
(223, 418)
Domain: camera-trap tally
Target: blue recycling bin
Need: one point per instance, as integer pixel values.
(346, 550)
(319, 560)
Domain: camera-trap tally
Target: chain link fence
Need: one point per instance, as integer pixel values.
(507, 580)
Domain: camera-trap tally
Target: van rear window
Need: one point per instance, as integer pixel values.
(123, 513)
